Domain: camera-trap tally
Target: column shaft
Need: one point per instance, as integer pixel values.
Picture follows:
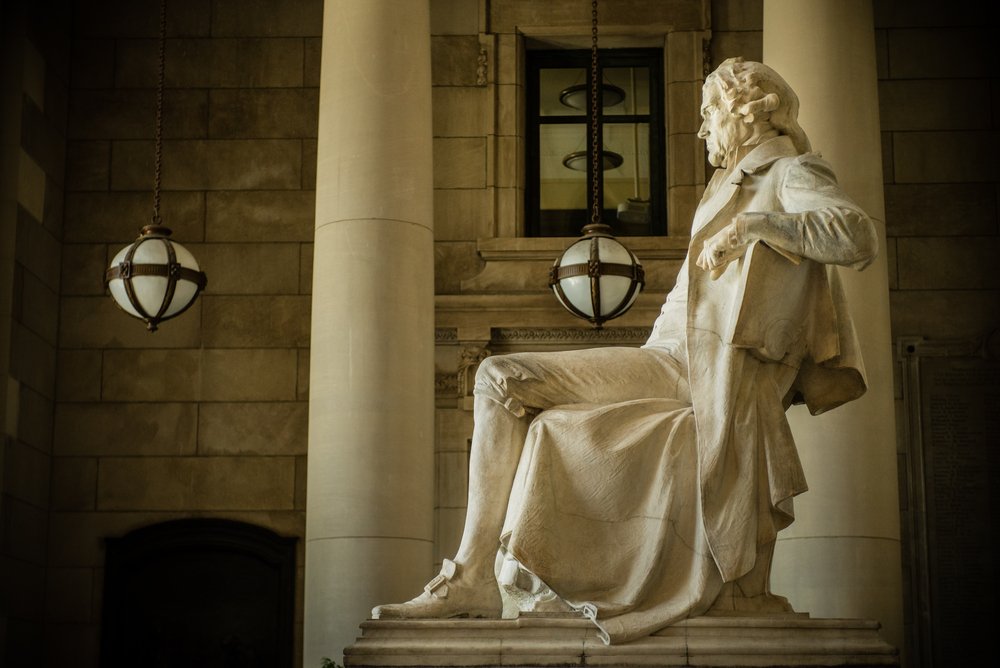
(841, 557)
(369, 520)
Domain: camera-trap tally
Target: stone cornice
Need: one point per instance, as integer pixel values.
(548, 248)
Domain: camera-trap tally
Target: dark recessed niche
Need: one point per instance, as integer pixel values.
(199, 593)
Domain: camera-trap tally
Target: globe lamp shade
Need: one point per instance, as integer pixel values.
(597, 278)
(154, 279)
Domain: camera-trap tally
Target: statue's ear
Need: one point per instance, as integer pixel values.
(766, 104)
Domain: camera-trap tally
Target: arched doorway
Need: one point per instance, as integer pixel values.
(199, 593)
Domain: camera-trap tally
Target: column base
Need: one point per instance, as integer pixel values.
(786, 640)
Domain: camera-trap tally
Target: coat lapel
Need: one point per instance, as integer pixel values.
(719, 197)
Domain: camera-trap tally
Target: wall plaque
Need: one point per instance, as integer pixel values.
(951, 396)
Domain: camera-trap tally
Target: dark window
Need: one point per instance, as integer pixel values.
(558, 186)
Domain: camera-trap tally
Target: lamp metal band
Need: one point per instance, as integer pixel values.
(172, 273)
(602, 269)
(130, 269)
(595, 284)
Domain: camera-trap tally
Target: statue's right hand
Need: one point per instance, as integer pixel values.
(724, 247)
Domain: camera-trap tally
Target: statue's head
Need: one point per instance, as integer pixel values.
(745, 99)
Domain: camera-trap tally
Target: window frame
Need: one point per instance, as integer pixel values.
(651, 58)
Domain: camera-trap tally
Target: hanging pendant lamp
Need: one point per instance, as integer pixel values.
(578, 161)
(155, 279)
(597, 278)
(576, 96)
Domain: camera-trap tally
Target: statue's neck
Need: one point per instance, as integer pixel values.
(761, 134)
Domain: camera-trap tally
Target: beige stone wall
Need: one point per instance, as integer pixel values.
(737, 27)
(33, 84)
(940, 112)
(463, 126)
(939, 103)
(208, 416)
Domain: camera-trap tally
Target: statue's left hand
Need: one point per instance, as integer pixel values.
(729, 244)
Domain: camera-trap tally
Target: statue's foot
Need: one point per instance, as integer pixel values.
(443, 598)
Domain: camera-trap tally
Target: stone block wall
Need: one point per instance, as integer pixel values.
(939, 101)
(463, 129)
(939, 105)
(737, 30)
(209, 415)
(34, 76)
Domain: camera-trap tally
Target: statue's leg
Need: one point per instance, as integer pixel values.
(470, 589)
(497, 442)
(509, 390)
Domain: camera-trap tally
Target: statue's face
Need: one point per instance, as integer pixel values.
(722, 131)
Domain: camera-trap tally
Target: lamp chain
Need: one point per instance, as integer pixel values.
(595, 217)
(159, 115)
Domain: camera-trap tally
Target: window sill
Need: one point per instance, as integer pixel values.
(548, 248)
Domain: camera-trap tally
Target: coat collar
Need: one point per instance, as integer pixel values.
(762, 156)
(718, 196)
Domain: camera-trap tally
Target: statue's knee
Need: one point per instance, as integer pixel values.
(486, 370)
(498, 369)
(492, 382)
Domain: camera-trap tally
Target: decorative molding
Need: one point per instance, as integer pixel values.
(546, 255)
(445, 335)
(446, 383)
(908, 347)
(469, 359)
(547, 249)
(565, 335)
(481, 68)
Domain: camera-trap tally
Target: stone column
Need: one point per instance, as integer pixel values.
(841, 557)
(369, 519)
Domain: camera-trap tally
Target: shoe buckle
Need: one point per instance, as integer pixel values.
(439, 581)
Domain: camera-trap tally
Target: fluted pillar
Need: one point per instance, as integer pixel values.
(841, 557)
(369, 519)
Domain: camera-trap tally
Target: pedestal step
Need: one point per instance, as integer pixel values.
(560, 641)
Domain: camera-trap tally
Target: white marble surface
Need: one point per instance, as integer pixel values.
(776, 640)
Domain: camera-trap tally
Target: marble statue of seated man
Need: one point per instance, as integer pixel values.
(641, 486)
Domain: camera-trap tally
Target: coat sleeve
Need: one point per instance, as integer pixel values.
(819, 220)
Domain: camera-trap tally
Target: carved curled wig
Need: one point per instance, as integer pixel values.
(751, 89)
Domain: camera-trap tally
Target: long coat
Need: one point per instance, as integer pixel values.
(768, 332)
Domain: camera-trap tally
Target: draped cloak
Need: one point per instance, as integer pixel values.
(619, 508)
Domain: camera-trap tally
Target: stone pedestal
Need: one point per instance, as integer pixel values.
(775, 640)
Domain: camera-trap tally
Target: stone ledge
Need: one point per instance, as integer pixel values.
(532, 310)
(777, 640)
(504, 249)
